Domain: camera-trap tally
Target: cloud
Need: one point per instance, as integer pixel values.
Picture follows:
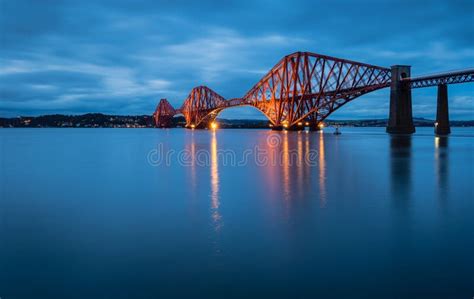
(221, 50)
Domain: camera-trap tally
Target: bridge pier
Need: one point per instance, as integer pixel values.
(297, 127)
(400, 119)
(201, 126)
(291, 128)
(442, 114)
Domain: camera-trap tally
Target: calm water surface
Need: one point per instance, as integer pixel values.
(98, 213)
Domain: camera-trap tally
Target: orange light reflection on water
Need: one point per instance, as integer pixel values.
(322, 170)
(216, 216)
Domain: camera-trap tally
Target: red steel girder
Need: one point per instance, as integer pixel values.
(164, 112)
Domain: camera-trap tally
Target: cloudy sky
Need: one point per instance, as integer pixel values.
(121, 57)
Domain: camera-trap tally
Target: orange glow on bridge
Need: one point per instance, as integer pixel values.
(301, 87)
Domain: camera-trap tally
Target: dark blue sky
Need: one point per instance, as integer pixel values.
(121, 57)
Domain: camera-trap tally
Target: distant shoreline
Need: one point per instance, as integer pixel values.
(99, 120)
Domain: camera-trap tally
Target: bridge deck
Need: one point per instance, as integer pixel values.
(462, 76)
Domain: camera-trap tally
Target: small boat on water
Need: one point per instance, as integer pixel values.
(337, 132)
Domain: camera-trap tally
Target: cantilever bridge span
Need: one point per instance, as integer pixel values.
(306, 88)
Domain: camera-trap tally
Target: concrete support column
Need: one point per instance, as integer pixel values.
(400, 120)
(442, 114)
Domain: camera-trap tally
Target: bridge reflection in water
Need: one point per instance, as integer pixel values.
(442, 166)
(402, 172)
(288, 171)
(295, 172)
(400, 167)
(293, 168)
(287, 197)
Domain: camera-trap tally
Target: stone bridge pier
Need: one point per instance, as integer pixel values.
(400, 120)
(442, 114)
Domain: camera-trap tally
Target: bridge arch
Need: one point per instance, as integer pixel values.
(218, 112)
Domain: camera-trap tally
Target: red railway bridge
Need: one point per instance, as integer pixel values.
(304, 88)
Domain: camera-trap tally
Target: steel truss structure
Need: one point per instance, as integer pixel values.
(301, 87)
(464, 76)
